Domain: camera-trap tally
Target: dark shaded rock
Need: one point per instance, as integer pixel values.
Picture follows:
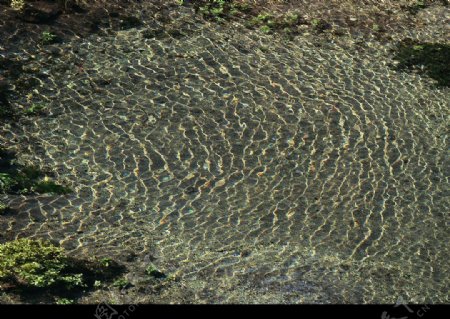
(3, 85)
(26, 83)
(129, 22)
(40, 12)
(175, 33)
(153, 33)
(131, 257)
(432, 59)
(322, 25)
(191, 190)
(5, 107)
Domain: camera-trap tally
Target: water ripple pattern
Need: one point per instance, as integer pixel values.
(301, 171)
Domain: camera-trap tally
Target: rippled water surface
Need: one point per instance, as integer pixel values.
(254, 168)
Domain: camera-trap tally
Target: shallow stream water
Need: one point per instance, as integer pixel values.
(255, 169)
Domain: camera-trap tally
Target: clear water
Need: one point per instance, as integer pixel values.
(252, 168)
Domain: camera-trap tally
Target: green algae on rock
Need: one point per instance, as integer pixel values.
(28, 180)
(220, 9)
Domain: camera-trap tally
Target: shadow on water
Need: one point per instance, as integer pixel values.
(92, 275)
(19, 179)
(431, 58)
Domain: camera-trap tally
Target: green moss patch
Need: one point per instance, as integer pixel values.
(48, 37)
(39, 268)
(121, 283)
(35, 263)
(253, 16)
(285, 23)
(433, 59)
(16, 79)
(35, 109)
(220, 9)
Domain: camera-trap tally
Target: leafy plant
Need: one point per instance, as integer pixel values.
(315, 22)
(36, 263)
(35, 109)
(47, 37)
(7, 182)
(63, 301)
(121, 283)
(155, 273)
(291, 19)
(105, 262)
(220, 9)
(265, 29)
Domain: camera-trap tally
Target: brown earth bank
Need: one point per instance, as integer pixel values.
(41, 23)
(68, 18)
(44, 22)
